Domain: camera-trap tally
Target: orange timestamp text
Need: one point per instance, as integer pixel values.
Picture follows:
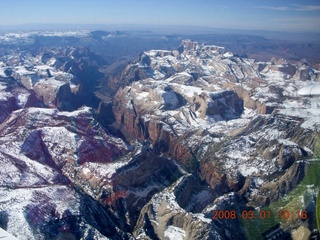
(262, 214)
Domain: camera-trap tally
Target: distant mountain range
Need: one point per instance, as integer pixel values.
(309, 37)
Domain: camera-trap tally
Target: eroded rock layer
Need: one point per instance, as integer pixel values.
(190, 131)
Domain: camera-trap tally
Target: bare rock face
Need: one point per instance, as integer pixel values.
(43, 154)
(163, 217)
(207, 85)
(13, 95)
(7, 106)
(254, 149)
(153, 111)
(62, 78)
(236, 125)
(57, 152)
(191, 131)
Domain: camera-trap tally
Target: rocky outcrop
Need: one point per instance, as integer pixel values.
(13, 95)
(45, 158)
(157, 132)
(7, 106)
(248, 100)
(163, 218)
(279, 151)
(191, 131)
(176, 113)
(134, 110)
(63, 78)
(76, 152)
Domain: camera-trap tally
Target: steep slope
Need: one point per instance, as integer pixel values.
(65, 78)
(43, 151)
(199, 129)
(237, 124)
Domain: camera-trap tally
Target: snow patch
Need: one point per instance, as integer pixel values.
(175, 233)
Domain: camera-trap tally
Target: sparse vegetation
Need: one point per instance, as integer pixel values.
(255, 227)
(318, 211)
(296, 200)
(317, 156)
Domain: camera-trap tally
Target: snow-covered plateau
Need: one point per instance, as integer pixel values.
(190, 130)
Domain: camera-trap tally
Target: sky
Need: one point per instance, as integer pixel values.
(274, 15)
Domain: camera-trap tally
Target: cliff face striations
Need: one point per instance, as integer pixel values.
(189, 131)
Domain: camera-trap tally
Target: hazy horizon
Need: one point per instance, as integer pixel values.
(287, 16)
(306, 37)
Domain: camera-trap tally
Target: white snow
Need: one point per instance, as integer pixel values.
(248, 170)
(43, 67)
(287, 142)
(104, 169)
(142, 95)
(311, 114)
(22, 98)
(311, 90)
(18, 199)
(6, 236)
(82, 110)
(188, 91)
(203, 218)
(86, 170)
(2, 74)
(257, 181)
(228, 55)
(28, 35)
(23, 71)
(174, 233)
(54, 136)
